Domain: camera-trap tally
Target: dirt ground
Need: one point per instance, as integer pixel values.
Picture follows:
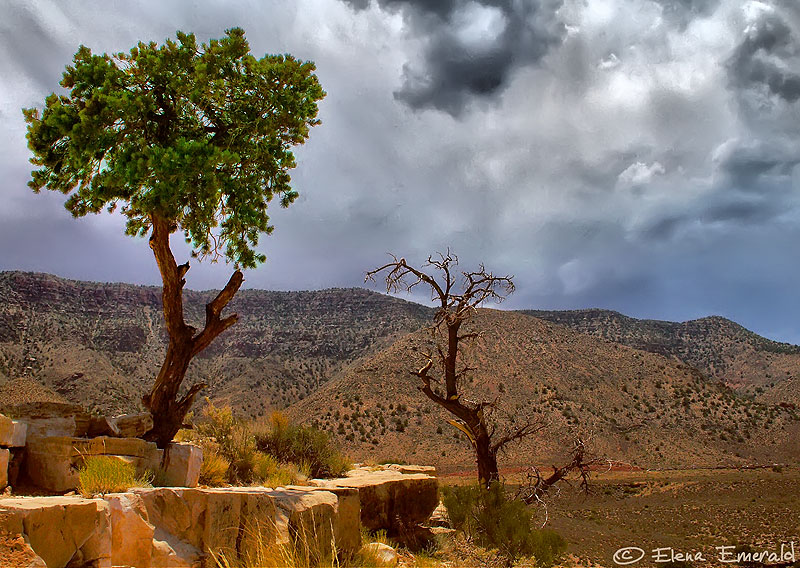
(679, 516)
(690, 512)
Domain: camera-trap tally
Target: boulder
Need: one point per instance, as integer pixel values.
(101, 426)
(390, 500)
(60, 530)
(5, 455)
(384, 554)
(51, 418)
(439, 517)
(131, 533)
(131, 425)
(12, 432)
(183, 463)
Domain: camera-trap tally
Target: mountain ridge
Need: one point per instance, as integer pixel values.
(633, 406)
(101, 344)
(723, 349)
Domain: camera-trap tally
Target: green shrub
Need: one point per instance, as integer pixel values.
(106, 474)
(302, 445)
(498, 523)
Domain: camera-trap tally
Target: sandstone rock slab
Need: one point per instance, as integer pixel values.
(12, 432)
(131, 532)
(305, 519)
(390, 500)
(229, 520)
(131, 425)
(61, 530)
(347, 521)
(51, 418)
(169, 552)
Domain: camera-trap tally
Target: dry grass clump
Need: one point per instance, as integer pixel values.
(105, 474)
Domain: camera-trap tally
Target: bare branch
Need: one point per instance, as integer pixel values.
(214, 324)
(516, 434)
(581, 462)
(455, 308)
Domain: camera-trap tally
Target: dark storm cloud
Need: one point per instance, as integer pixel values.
(606, 165)
(457, 68)
(760, 167)
(754, 186)
(768, 58)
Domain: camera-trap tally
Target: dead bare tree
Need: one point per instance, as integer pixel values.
(458, 294)
(581, 462)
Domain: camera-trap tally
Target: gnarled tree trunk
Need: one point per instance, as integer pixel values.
(456, 307)
(163, 402)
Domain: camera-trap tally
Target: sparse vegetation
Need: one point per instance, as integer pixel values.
(491, 519)
(303, 445)
(238, 451)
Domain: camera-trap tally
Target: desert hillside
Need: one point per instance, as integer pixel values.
(720, 348)
(633, 405)
(102, 344)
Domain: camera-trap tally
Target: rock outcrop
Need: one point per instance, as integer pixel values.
(50, 418)
(13, 435)
(60, 530)
(390, 499)
(52, 463)
(187, 527)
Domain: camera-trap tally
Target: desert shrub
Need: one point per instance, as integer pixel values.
(302, 445)
(105, 474)
(219, 431)
(270, 472)
(214, 471)
(494, 521)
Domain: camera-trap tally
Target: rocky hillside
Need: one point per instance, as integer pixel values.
(720, 348)
(102, 344)
(632, 405)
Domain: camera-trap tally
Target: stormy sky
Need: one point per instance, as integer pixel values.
(637, 155)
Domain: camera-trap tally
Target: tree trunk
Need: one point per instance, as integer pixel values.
(168, 411)
(184, 342)
(487, 461)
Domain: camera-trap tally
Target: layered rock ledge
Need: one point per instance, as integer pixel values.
(183, 527)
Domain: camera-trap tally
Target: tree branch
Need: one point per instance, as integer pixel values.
(517, 434)
(186, 402)
(214, 325)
